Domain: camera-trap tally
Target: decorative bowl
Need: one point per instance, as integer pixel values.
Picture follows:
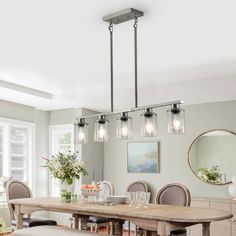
(90, 192)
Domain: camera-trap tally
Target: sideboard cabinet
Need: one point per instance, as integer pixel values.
(221, 228)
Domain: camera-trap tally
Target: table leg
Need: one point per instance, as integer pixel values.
(19, 224)
(147, 233)
(205, 229)
(163, 229)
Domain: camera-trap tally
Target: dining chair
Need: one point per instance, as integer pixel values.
(174, 194)
(82, 222)
(137, 186)
(16, 189)
(95, 222)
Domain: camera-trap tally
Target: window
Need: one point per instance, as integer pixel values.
(16, 150)
(61, 138)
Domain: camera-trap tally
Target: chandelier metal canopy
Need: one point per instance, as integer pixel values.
(175, 114)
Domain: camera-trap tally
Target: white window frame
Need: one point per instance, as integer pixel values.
(30, 163)
(54, 130)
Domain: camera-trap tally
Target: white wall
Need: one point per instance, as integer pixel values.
(173, 150)
(40, 119)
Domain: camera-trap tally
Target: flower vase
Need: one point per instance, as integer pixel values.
(232, 188)
(67, 187)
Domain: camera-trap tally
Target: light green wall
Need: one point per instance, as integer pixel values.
(65, 116)
(173, 150)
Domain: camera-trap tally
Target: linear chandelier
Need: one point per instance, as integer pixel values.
(148, 119)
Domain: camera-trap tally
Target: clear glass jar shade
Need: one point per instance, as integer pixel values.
(80, 133)
(101, 131)
(176, 121)
(124, 128)
(148, 125)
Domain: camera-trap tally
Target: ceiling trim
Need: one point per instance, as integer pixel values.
(26, 90)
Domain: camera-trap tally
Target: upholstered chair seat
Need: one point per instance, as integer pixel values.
(97, 220)
(34, 221)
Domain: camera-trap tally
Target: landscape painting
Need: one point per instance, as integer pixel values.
(143, 157)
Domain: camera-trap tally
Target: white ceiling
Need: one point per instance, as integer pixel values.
(186, 51)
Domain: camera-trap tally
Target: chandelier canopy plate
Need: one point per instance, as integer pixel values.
(123, 16)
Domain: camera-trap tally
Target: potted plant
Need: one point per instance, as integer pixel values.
(67, 168)
(211, 175)
(3, 228)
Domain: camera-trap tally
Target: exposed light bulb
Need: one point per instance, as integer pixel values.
(177, 124)
(81, 135)
(176, 119)
(149, 128)
(124, 131)
(101, 132)
(148, 123)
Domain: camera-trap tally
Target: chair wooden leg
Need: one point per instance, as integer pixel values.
(96, 228)
(112, 228)
(128, 228)
(76, 222)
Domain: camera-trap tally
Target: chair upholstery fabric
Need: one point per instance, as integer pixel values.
(174, 194)
(138, 186)
(33, 222)
(97, 220)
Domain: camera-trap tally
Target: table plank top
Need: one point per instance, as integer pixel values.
(153, 212)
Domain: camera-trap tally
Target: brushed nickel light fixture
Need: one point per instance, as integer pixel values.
(124, 126)
(101, 129)
(176, 119)
(80, 131)
(148, 119)
(148, 123)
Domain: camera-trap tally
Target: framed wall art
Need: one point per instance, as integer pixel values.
(143, 157)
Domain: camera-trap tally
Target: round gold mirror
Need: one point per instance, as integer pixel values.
(212, 156)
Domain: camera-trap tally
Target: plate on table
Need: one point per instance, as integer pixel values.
(117, 199)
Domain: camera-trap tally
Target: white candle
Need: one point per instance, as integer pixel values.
(93, 173)
(102, 171)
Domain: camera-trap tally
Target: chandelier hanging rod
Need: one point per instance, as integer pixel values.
(117, 18)
(164, 104)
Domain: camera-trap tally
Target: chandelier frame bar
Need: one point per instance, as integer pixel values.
(134, 109)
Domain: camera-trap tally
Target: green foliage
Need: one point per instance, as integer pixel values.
(211, 175)
(66, 167)
(3, 227)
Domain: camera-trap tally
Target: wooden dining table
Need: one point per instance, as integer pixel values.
(160, 218)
